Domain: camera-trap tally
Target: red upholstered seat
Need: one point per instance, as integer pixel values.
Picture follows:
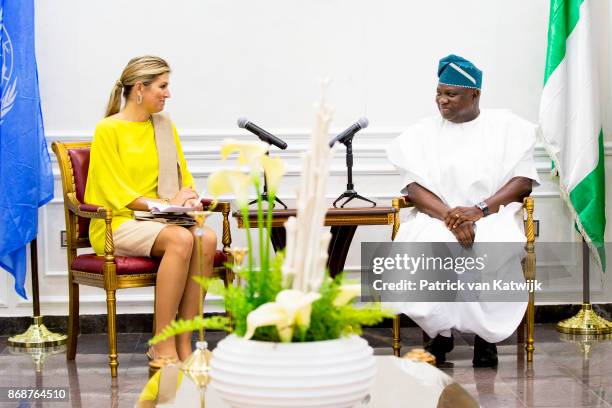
(220, 258)
(128, 265)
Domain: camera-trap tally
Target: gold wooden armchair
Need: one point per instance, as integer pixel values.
(526, 326)
(109, 272)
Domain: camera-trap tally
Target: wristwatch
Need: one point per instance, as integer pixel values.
(483, 207)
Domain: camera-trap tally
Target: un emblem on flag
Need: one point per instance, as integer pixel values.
(9, 89)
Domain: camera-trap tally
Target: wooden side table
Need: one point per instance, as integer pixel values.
(343, 222)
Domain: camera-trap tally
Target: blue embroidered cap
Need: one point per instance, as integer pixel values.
(456, 71)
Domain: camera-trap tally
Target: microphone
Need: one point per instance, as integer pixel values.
(262, 134)
(361, 123)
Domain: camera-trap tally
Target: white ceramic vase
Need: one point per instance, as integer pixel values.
(332, 373)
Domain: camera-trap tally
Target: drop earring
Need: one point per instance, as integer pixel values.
(139, 99)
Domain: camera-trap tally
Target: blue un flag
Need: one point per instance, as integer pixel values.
(26, 181)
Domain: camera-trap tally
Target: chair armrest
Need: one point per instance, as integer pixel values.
(528, 205)
(87, 210)
(98, 212)
(93, 211)
(206, 202)
(224, 208)
(398, 203)
(216, 206)
(403, 202)
(90, 207)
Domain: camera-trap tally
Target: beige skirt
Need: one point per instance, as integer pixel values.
(136, 238)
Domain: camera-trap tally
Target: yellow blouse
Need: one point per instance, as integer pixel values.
(123, 166)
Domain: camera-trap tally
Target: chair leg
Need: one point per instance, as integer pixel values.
(530, 327)
(73, 321)
(396, 335)
(530, 271)
(111, 306)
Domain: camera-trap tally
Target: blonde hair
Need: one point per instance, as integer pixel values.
(145, 69)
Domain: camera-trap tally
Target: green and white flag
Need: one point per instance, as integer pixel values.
(570, 118)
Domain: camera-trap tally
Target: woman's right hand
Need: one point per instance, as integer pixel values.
(183, 195)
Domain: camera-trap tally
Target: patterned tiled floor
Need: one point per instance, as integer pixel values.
(562, 375)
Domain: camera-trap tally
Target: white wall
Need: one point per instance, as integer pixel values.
(262, 59)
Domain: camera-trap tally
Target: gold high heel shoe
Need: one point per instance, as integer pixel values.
(158, 361)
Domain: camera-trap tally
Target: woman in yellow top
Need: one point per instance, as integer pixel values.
(123, 176)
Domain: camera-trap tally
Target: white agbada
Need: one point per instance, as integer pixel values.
(464, 164)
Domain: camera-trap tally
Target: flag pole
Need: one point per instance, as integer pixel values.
(37, 335)
(586, 321)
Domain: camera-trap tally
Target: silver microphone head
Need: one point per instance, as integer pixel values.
(242, 122)
(363, 122)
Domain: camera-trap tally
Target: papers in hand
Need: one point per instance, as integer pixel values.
(171, 218)
(155, 206)
(168, 208)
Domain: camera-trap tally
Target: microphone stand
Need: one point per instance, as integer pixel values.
(264, 194)
(350, 192)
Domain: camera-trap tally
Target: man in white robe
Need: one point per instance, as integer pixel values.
(466, 173)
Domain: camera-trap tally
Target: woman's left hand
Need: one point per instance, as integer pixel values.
(193, 202)
(458, 215)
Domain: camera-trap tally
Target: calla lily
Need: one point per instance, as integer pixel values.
(298, 305)
(230, 181)
(292, 308)
(347, 293)
(270, 314)
(274, 169)
(249, 153)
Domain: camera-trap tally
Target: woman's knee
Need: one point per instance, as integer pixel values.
(179, 241)
(209, 239)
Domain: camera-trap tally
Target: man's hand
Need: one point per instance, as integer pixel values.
(426, 202)
(183, 196)
(465, 234)
(458, 215)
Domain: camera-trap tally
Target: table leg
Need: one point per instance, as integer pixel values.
(339, 245)
(278, 238)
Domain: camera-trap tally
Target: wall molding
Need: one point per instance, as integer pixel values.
(367, 140)
(202, 146)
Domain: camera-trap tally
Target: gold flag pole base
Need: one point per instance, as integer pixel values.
(586, 321)
(37, 336)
